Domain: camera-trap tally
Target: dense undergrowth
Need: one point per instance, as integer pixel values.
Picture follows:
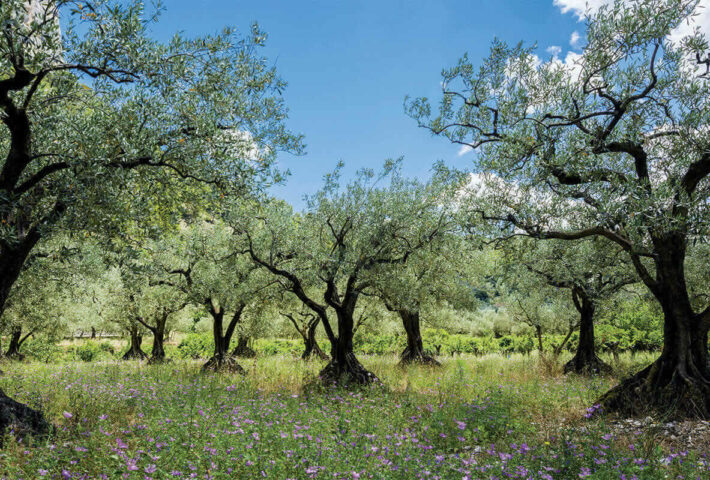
(477, 417)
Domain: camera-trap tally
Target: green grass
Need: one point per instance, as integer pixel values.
(476, 417)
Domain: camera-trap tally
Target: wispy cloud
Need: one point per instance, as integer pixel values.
(574, 39)
(464, 150)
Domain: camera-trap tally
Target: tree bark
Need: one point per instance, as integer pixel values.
(243, 349)
(585, 360)
(311, 347)
(13, 349)
(20, 419)
(221, 360)
(414, 352)
(677, 384)
(157, 354)
(134, 350)
(344, 367)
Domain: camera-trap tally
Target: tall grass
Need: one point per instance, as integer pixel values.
(475, 417)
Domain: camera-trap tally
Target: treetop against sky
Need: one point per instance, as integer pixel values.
(349, 66)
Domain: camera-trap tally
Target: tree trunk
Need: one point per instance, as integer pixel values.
(221, 359)
(157, 354)
(22, 419)
(585, 360)
(93, 333)
(414, 352)
(344, 367)
(310, 342)
(134, 350)
(243, 349)
(677, 384)
(13, 350)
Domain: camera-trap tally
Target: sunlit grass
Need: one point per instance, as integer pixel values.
(503, 415)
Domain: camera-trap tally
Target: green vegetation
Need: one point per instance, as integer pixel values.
(474, 416)
(491, 323)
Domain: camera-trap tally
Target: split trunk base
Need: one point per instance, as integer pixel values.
(135, 354)
(158, 360)
(223, 363)
(589, 364)
(417, 357)
(347, 370)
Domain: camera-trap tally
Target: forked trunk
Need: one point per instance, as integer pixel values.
(414, 352)
(585, 360)
(157, 354)
(344, 367)
(311, 347)
(677, 384)
(13, 349)
(243, 349)
(134, 349)
(221, 360)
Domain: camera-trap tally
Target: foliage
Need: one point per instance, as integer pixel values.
(196, 345)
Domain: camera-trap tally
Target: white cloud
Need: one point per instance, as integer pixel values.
(554, 50)
(581, 9)
(464, 150)
(574, 39)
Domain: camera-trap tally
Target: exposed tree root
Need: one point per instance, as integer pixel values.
(664, 389)
(20, 419)
(417, 357)
(587, 365)
(223, 363)
(244, 351)
(350, 371)
(135, 354)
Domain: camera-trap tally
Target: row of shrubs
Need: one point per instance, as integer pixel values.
(437, 341)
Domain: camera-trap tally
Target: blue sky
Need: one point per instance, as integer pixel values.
(349, 65)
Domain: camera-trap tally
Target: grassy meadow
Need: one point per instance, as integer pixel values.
(475, 417)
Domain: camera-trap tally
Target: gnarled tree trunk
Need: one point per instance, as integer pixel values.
(157, 354)
(222, 360)
(677, 384)
(344, 367)
(243, 349)
(414, 352)
(308, 333)
(311, 347)
(13, 349)
(20, 418)
(134, 349)
(585, 360)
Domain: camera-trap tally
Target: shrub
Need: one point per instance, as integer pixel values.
(196, 345)
(42, 349)
(88, 352)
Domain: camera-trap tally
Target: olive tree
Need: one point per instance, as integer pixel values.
(335, 247)
(433, 277)
(590, 271)
(215, 274)
(99, 109)
(611, 144)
